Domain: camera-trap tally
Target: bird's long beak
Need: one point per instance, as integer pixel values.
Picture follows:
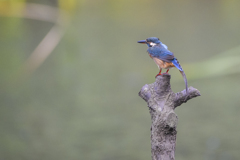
(142, 41)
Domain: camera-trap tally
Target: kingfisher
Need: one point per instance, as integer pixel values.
(163, 57)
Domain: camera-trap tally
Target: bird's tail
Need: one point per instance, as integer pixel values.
(179, 67)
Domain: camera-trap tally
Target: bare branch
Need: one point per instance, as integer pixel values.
(161, 102)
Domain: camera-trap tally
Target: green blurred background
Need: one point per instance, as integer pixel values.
(71, 71)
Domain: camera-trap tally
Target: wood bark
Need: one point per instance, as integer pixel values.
(161, 102)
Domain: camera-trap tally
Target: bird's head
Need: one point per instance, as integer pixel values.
(152, 41)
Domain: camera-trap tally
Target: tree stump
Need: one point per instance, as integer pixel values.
(162, 101)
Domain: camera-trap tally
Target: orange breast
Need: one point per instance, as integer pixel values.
(162, 64)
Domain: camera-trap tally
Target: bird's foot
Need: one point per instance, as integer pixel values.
(159, 73)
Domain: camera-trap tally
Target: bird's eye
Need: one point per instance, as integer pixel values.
(158, 39)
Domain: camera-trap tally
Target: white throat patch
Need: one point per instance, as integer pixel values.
(153, 44)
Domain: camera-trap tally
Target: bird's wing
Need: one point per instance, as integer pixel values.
(161, 53)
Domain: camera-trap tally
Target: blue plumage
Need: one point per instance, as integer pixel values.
(161, 52)
(176, 64)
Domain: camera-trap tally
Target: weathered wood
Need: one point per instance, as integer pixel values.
(162, 101)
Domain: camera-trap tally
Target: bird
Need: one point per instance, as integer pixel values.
(163, 58)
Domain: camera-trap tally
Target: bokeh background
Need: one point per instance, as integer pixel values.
(71, 70)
